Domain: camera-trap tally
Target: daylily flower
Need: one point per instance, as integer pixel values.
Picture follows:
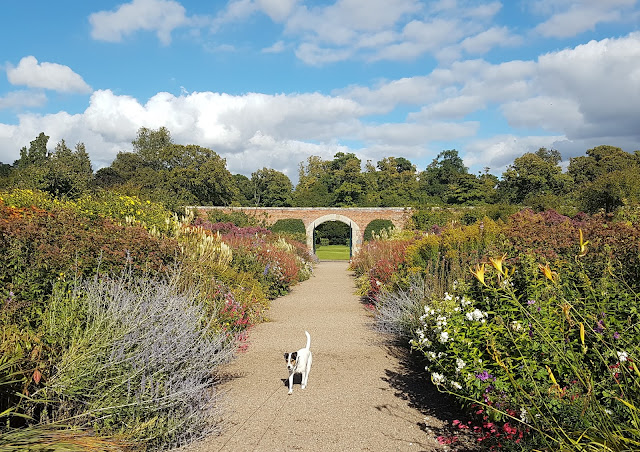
(497, 264)
(479, 273)
(546, 271)
(583, 245)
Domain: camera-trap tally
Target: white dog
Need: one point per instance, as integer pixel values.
(299, 363)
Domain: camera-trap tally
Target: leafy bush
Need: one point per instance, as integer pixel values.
(542, 347)
(292, 227)
(375, 227)
(237, 217)
(69, 350)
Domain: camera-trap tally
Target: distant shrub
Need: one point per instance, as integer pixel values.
(293, 227)
(237, 217)
(426, 219)
(375, 227)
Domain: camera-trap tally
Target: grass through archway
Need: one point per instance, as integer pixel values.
(333, 252)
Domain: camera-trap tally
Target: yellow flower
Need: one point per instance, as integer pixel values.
(583, 245)
(497, 264)
(479, 273)
(546, 271)
(584, 347)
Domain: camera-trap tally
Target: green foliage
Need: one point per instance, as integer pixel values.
(237, 217)
(534, 174)
(61, 173)
(334, 232)
(292, 227)
(540, 347)
(175, 175)
(375, 227)
(271, 188)
(132, 356)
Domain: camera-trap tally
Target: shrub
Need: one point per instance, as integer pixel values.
(375, 227)
(138, 365)
(542, 347)
(292, 227)
(237, 217)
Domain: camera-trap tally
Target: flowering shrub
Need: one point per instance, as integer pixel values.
(68, 351)
(376, 264)
(541, 347)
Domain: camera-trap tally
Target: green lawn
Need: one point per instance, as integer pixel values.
(332, 252)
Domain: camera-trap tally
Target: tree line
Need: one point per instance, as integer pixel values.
(156, 168)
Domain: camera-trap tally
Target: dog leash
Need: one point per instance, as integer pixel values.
(252, 414)
(275, 416)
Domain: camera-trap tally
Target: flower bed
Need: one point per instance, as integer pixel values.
(540, 347)
(115, 314)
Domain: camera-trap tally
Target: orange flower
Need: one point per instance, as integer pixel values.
(479, 273)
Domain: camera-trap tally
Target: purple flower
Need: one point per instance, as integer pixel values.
(616, 335)
(530, 302)
(600, 328)
(484, 376)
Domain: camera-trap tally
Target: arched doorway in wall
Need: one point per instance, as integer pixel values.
(354, 236)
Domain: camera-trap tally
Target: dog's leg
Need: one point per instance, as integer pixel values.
(304, 379)
(291, 383)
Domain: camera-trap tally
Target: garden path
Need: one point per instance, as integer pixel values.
(363, 393)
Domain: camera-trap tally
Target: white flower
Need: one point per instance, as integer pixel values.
(622, 356)
(456, 385)
(444, 337)
(437, 378)
(476, 315)
(441, 321)
(460, 364)
(464, 302)
(447, 297)
(431, 355)
(523, 414)
(516, 326)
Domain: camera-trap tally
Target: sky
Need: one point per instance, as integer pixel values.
(268, 83)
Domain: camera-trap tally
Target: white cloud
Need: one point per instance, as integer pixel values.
(587, 95)
(570, 18)
(276, 47)
(52, 76)
(277, 10)
(23, 98)
(161, 16)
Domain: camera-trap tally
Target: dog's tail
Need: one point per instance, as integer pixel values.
(308, 340)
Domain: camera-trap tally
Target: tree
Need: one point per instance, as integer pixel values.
(62, 173)
(69, 172)
(313, 183)
(446, 170)
(271, 188)
(244, 190)
(533, 175)
(173, 174)
(396, 182)
(606, 178)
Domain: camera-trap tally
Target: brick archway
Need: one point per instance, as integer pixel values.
(355, 230)
(357, 217)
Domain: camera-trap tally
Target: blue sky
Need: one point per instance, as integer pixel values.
(268, 83)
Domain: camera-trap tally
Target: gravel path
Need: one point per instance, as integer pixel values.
(362, 394)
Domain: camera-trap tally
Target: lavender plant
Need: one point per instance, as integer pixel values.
(142, 366)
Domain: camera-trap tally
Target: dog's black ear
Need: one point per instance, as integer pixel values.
(286, 356)
(294, 355)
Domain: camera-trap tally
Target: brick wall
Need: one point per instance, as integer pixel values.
(357, 217)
